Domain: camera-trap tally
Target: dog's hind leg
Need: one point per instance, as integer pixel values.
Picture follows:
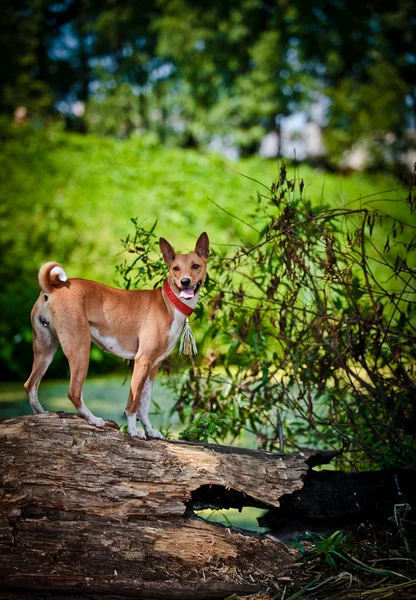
(77, 350)
(45, 344)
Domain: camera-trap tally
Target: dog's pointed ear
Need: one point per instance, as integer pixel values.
(168, 252)
(202, 246)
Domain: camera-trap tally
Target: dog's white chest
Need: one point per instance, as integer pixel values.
(174, 333)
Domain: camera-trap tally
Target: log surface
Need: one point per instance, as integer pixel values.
(86, 512)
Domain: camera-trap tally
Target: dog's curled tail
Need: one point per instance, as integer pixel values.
(51, 275)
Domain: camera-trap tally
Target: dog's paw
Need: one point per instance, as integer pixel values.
(97, 421)
(136, 433)
(38, 409)
(155, 435)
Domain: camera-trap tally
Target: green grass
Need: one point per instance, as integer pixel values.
(244, 518)
(83, 190)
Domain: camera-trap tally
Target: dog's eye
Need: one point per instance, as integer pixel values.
(196, 266)
(176, 268)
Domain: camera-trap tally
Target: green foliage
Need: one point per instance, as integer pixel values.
(166, 432)
(327, 549)
(205, 427)
(145, 245)
(335, 550)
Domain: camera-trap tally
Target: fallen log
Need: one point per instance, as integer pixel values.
(86, 512)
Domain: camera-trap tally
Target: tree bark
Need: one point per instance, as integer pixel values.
(87, 513)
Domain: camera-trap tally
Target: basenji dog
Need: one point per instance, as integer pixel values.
(142, 325)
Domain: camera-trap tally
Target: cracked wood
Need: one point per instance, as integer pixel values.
(88, 512)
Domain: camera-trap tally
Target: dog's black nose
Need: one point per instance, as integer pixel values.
(185, 281)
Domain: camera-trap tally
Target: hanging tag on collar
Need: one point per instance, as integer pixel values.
(187, 344)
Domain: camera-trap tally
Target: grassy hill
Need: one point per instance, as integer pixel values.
(80, 192)
(69, 197)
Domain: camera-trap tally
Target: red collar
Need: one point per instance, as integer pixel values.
(181, 306)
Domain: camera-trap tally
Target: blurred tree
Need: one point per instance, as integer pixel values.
(22, 82)
(227, 71)
(49, 61)
(230, 66)
(371, 113)
(238, 65)
(124, 62)
(364, 59)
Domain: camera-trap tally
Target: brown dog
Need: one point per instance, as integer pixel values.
(143, 325)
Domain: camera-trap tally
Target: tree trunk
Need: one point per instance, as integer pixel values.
(87, 513)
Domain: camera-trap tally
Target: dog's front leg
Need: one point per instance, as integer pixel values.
(141, 372)
(144, 403)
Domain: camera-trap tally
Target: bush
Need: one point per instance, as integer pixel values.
(314, 325)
